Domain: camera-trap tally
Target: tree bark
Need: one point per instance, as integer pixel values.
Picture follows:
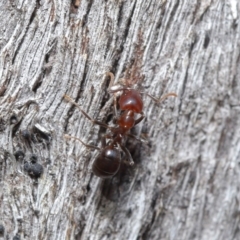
(185, 180)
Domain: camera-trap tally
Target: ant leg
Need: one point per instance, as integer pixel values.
(86, 145)
(110, 74)
(104, 138)
(115, 106)
(137, 121)
(103, 141)
(84, 113)
(136, 138)
(129, 157)
(162, 98)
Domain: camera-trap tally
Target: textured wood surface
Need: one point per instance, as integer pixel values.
(185, 181)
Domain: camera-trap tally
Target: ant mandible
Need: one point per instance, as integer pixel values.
(108, 161)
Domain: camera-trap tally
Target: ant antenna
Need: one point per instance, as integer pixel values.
(156, 100)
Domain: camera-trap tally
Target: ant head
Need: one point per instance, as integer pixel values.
(131, 100)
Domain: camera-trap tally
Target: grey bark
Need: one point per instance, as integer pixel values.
(185, 181)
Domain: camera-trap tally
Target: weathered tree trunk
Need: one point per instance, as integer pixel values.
(185, 181)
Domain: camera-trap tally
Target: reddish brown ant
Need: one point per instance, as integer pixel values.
(108, 161)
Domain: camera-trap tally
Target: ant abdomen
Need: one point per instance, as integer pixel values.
(107, 162)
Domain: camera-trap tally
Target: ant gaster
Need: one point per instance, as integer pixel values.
(108, 161)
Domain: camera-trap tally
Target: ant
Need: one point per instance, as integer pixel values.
(108, 161)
